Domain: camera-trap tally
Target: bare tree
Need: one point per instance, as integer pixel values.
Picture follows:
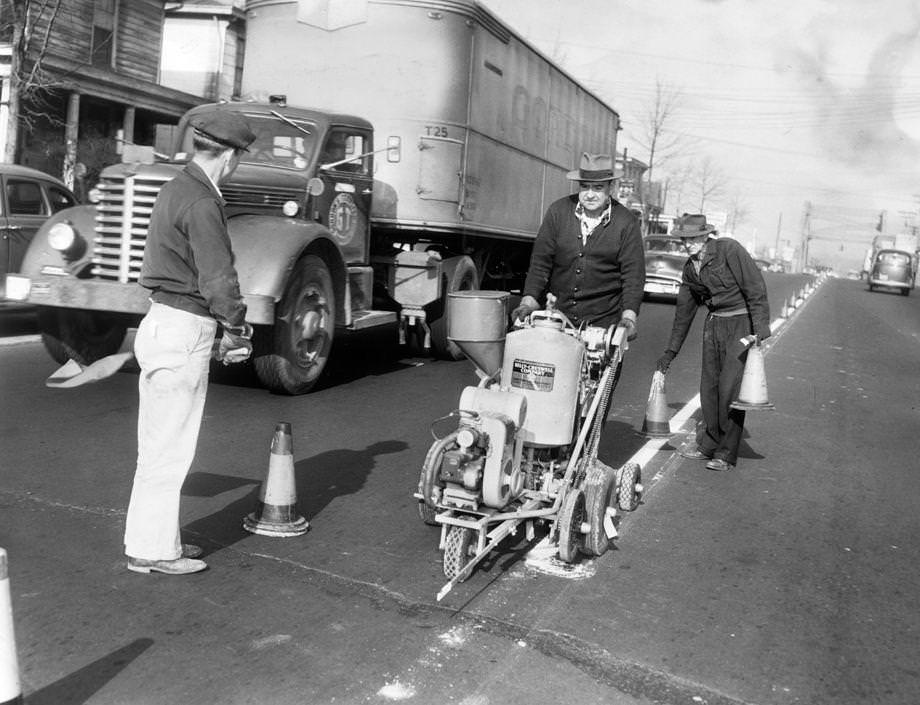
(738, 211)
(29, 24)
(656, 136)
(710, 182)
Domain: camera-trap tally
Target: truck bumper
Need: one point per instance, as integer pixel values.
(95, 295)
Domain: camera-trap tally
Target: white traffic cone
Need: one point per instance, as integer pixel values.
(277, 513)
(10, 688)
(753, 392)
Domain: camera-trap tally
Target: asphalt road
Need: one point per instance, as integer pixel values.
(789, 580)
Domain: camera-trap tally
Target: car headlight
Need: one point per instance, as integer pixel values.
(66, 240)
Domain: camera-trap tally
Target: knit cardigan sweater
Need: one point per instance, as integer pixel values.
(594, 281)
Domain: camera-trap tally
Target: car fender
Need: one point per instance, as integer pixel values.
(40, 254)
(266, 248)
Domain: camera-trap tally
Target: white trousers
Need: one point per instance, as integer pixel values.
(173, 349)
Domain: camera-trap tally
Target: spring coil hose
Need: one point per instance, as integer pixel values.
(597, 425)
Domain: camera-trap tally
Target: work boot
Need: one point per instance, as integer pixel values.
(694, 453)
(178, 566)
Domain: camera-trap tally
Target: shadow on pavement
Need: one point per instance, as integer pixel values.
(81, 685)
(319, 480)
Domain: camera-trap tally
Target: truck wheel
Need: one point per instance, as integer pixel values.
(301, 338)
(463, 278)
(83, 336)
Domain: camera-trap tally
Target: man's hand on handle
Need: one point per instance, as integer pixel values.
(527, 306)
(628, 321)
(664, 362)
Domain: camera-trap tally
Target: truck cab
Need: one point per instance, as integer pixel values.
(298, 211)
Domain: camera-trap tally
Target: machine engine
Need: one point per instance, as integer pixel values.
(516, 434)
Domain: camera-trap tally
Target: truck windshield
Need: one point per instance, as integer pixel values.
(285, 143)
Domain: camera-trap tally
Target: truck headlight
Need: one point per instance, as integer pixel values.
(66, 240)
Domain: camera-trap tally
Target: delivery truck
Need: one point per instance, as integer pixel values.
(404, 150)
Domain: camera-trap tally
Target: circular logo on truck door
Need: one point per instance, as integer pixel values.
(343, 218)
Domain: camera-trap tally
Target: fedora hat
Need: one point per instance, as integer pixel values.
(594, 167)
(692, 225)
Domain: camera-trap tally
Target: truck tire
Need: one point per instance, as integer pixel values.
(462, 278)
(300, 342)
(79, 335)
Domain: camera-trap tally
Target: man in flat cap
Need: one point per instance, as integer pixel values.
(588, 253)
(720, 275)
(188, 268)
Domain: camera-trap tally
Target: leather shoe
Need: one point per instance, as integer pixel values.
(719, 464)
(179, 566)
(190, 550)
(694, 454)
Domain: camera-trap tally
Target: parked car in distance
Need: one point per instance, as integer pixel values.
(893, 269)
(664, 264)
(763, 264)
(27, 198)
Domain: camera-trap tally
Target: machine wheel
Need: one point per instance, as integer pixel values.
(600, 493)
(84, 336)
(905, 292)
(463, 278)
(302, 335)
(457, 550)
(627, 494)
(568, 524)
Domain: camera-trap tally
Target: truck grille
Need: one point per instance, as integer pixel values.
(122, 217)
(253, 196)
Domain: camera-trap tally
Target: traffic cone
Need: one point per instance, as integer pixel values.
(10, 689)
(753, 392)
(656, 423)
(277, 513)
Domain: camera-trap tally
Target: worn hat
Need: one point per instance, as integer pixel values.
(594, 167)
(692, 225)
(225, 127)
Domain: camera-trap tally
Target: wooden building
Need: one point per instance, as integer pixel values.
(104, 77)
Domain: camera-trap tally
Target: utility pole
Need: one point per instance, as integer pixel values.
(806, 233)
(779, 227)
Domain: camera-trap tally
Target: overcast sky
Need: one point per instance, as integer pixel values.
(793, 100)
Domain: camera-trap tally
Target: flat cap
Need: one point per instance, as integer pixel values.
(225, 127)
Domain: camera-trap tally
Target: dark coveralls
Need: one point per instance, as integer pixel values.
(731, 286)
(594, 281)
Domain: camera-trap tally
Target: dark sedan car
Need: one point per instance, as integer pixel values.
(664, 264)
(893, 269)
(27, 198)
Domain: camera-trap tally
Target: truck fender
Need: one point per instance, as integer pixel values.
(266, 249)
(40, 254)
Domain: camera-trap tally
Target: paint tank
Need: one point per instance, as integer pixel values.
(544, 364)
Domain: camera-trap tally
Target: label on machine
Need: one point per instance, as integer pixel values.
(536, 376)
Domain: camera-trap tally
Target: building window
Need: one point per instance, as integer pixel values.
(103, 50)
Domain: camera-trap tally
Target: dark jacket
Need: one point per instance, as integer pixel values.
(594, 282)
(728, 280)
(188, 262)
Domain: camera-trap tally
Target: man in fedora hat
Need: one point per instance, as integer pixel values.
(588, 253)
(721, 275)
(188, 268)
